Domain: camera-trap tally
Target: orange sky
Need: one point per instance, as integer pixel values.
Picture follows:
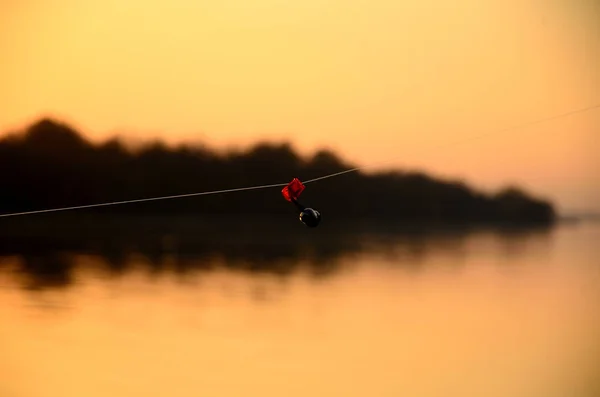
(374, 79)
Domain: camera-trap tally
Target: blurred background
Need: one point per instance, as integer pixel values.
(466, 266)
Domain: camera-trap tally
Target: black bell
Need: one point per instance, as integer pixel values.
(310, 217)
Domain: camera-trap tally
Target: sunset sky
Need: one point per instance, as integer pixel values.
(373, 80)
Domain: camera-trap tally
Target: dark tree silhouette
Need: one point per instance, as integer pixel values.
(52, 165)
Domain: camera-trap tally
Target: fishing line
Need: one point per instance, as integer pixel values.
(459, 142)
(145, 199)
(258, 187)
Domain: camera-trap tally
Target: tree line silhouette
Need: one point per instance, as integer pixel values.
(50, 164)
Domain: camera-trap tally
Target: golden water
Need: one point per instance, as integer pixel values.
(483, 315)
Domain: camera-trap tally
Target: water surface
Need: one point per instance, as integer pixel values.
(352, 314)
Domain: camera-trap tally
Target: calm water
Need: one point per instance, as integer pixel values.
(477, 314)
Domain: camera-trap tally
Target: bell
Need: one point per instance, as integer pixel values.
(310, 217)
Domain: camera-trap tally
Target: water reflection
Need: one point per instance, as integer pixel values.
(46, 255)
(182, 308)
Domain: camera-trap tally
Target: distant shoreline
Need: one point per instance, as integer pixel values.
(223, 224)
(581, 217)
(58, 167)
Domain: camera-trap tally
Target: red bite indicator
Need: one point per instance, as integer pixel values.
(293, 190)
(309, 216)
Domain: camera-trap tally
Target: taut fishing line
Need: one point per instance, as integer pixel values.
(258, 187)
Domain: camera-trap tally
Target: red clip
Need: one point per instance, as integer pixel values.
(293, 190)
